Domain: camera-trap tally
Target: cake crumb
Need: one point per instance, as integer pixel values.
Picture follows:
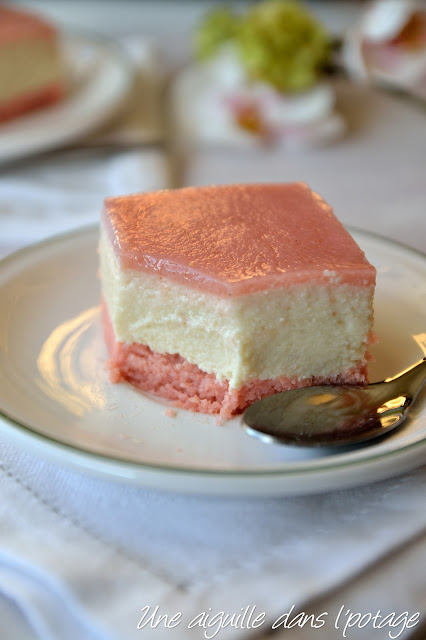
(170, 413)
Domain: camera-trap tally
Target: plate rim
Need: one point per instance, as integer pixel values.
(128, 469)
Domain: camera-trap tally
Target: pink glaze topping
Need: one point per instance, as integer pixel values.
(16, 25)
(235, 239)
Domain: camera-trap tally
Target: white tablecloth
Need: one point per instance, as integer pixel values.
(82, 557)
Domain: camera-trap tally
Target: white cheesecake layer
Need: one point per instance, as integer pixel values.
(28, 66)
(298, 331)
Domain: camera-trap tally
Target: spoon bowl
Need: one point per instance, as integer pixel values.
(336, 415)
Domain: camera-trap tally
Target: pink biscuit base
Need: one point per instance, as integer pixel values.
(30, 101)
(174, 378)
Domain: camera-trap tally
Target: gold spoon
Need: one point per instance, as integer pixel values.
(335, 415)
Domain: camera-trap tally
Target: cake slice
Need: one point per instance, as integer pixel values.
(214, 297)
(30, 63)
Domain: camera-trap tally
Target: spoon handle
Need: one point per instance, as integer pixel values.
(412, 378)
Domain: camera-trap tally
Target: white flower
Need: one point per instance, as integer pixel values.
(217, 102)
(389, 44)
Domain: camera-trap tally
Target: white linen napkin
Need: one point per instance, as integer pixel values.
(81, 557)
(49, 197)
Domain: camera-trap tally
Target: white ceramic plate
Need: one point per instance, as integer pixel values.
(55, 397)
(98, 79)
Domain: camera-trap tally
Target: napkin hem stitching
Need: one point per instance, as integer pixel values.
(139, 562)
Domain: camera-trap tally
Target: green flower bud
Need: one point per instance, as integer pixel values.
(218, 27)
(281, 44)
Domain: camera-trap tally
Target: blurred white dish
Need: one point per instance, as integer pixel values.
(56, 399)
(99, 76)
(212, 100)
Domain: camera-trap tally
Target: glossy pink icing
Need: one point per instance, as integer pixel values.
(16, 25)
(235, 239)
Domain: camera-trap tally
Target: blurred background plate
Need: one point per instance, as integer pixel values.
(99, 77)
